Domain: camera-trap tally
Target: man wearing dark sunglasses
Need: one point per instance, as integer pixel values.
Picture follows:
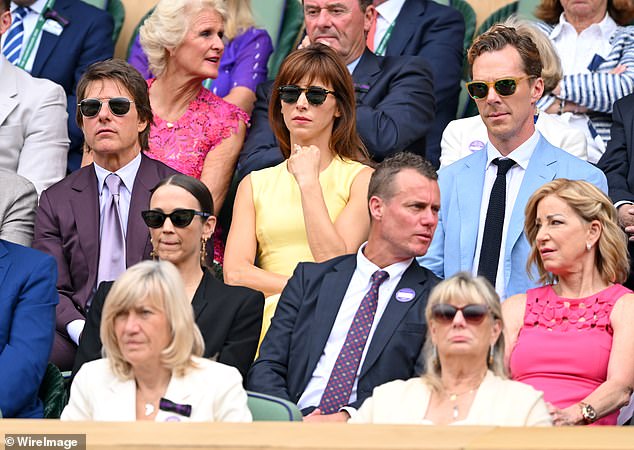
(480, 229)
(395, 94)
(347, 325)
(91, 220)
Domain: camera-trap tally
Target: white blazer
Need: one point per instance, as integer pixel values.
(463, 137)
(497, 402)
(213, 390)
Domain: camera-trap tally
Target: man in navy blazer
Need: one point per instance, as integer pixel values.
(395, 94)
(466, 185)
(316, 309)
(618, 164)
(68, 221)
(27, 324)
(74, 36)
(436, 33)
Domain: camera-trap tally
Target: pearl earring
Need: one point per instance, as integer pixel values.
(588, 246)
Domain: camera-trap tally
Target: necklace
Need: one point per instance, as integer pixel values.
(149, 409)
(453, 397)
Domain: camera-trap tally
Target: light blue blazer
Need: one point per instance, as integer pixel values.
(461, 195)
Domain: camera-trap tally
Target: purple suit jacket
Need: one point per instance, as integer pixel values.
(67, 228)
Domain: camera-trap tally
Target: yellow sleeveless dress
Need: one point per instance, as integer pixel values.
(279, 219)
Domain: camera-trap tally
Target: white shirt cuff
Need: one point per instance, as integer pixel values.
(623, 202)
(75, 328)
(350, 410)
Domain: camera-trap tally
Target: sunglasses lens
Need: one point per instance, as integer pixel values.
(119, 106)
(182, 217)
(316, 95)
(153, 219)
(289, 94)
(89, 107)
(477, 89)
(474, 313)
(505, 87)
(443, 312)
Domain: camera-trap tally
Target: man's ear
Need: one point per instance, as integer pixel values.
(375, 205)
(5, 22)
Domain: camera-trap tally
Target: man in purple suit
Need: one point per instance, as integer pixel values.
(90, 222)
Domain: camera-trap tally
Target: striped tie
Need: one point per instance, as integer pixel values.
(13, 42)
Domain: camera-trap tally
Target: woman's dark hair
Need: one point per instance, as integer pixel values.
(320, 62)
(622, 11)
(195, 187)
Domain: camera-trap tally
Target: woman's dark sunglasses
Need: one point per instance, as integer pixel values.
(472, 313)
(90, 107)
(314, 94)
(504, 87)
(180, 218)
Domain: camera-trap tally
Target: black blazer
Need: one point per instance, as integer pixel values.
(229, 318)
(305, 315)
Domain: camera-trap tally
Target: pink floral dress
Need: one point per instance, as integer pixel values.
(563, 348)
(183, 145)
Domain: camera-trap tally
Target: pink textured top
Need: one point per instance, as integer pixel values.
(183, 145)
(563, 348)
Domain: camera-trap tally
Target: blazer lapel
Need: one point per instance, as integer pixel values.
(8, 89)
(202, 294)
(365, 74)
(84, 202)
(5, 262)
(331, 293)
(469, 198)
(405, 25)
(138, 246)
(48, 42)
(394, 313)
(121, 403)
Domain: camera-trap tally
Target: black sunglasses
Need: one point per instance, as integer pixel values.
(90, 107)
(180, 218)
(504, 87)
(314, 94)
(472, 313)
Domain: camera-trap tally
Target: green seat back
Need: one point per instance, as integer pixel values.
(101, 4)
(117, 10)
(269, 408)
(290, 34)
(469, 16)
(498, 16)
(53, 392)
(526, 9)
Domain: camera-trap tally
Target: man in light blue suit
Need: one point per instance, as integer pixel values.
(506, 70)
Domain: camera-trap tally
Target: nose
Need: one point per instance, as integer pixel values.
(323, 19)
(458, 320)
(168, 226)
(218, 44)
(492, 95)
(302, 101)
(428, 217)
(132, 323)
(104, 111)
(542, 234)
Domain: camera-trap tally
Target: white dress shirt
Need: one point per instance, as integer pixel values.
(387, 13)
(358, 287)
(29, 22)
(521, 155)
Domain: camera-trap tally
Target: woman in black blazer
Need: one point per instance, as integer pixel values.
(181, 220)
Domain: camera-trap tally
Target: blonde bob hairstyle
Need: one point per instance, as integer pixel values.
(552, 72)
(463, 287)
(166, 28)
(160, 284)
(585, 199)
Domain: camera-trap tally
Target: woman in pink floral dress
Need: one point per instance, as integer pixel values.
(194, 131)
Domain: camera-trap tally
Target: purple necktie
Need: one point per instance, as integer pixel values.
(339, 387)
(112, 242)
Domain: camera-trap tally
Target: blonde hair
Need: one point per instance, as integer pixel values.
(239, 17)
(552, 71)
(159, 283)
(463, 286)
(167, 26)
(589, 203)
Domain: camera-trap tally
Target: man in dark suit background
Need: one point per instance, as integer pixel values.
(73, 36)
(306, 350)
(395, 96)
(618, 165)
(436, 33)
(84, 217)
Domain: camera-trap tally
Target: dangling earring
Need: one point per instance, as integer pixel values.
(588, 246)
(153, 253)
(434, 352)
(491, 354)
(203, 252)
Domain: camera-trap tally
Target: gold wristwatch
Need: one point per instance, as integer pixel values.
(588, 412)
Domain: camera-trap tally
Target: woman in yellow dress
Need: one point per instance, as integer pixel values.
(312, 206)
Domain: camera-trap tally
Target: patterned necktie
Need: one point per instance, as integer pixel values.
(13, 42)
(339, 387)
(494, 222)
(112, 242)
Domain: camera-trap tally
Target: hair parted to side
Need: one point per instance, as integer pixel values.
(127, 77)
(167, 27)
(590, 204)
(622, 11)
(320, 62)
(497, 38)
(382, 180)
(160, 284)
(469, 289)
(552, 72)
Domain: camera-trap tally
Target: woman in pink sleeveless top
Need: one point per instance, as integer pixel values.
(573, 338)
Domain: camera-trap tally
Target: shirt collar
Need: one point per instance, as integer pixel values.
(607, 27)
(367, 267)
(36, 7)
(127, 173)
(390, 9)
(521, 155)
(353, 64)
